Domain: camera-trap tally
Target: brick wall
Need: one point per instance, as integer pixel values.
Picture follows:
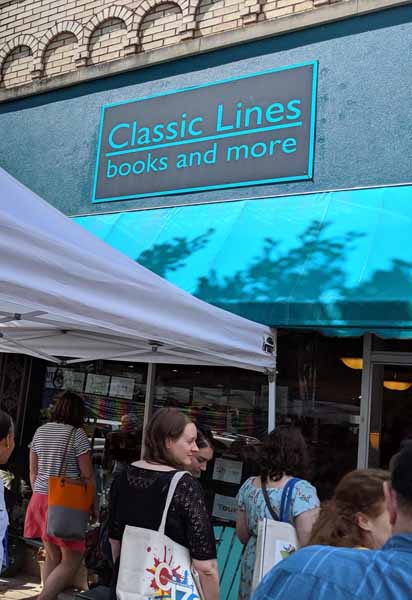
(47, 38)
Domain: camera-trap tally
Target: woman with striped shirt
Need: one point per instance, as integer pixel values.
(49, 449)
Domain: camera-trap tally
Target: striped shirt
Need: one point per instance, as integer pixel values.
(49, 443)
(326, 573)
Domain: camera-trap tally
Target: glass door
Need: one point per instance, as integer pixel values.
(386, 407)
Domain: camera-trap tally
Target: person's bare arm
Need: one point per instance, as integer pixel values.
(34, 468)
(209, 577)
(242, 528)
(115, 545)
(86, 466)
(304, 523)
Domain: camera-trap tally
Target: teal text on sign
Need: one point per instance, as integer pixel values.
(248, 130)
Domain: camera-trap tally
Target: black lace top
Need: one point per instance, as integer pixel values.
(138, 498)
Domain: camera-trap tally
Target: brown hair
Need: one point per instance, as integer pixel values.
(69, 409)
(6, 424)
(359, 491)
(284, 452)
(166, 423)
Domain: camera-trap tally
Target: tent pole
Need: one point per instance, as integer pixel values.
(271, 373)
(148, 401)
(272, 400)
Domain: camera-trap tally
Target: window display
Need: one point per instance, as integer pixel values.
(318, 392)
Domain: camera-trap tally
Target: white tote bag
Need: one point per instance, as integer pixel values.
(276, 539)
(154, 566)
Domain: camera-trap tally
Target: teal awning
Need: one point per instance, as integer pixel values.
(336, 261)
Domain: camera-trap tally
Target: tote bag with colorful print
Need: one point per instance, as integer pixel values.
(154, 566)
(276, 539)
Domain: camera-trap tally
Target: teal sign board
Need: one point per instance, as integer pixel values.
(244, 131)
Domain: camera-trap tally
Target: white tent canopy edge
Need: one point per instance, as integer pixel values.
(67, 296)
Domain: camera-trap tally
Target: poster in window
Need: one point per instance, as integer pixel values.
(49, 379)
(122, 387)
(97, 384)
(64, 379)
(203, 396)
(74, 380)
(227, 470)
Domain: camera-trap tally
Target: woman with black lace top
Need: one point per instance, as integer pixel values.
(138, 496)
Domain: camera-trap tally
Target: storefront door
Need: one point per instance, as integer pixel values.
(386, 405)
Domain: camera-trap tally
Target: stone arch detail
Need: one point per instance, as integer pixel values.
(72, 27)
(160, 26)
(110, 12)
(147, 6)
(60, 54)
(189, 20)
(26, 40)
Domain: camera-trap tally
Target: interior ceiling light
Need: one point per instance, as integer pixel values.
(353, 363)
(397, 386)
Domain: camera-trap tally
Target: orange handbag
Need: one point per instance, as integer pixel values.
(69, 502)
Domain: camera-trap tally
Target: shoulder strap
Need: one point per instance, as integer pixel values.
(267, 500)
(63, 465)
(172, 488)
(286, 500)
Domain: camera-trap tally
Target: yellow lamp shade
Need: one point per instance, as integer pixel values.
(397, 386)
(353, 363)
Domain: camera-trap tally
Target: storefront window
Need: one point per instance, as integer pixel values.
(390, 345)
(233, 405)
(318, 389)
(110, 390)
(231, 402)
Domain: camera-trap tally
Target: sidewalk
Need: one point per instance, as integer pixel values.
(24, 588)
(20, 588)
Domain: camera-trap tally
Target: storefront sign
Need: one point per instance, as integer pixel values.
(225, 507)
(244, 131)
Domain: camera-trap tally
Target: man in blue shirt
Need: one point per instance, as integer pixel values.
(326, 573)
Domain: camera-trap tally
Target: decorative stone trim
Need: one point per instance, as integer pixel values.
(111, 12)
(189, 24)
(250, 13)
(27, 40)
(142, 10)
(72, 27)
(326, 11)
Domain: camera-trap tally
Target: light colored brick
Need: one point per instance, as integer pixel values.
(160, 26)
(307, 5)
(231, 17)
(279, 12)
(283, 3)
(225, 10)
(212, 22)
(152, 45)
(224, 27)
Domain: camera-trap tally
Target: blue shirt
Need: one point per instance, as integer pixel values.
(326, 573)
(4, 521)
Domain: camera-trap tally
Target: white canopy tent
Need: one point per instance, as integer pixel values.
(66, 296)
